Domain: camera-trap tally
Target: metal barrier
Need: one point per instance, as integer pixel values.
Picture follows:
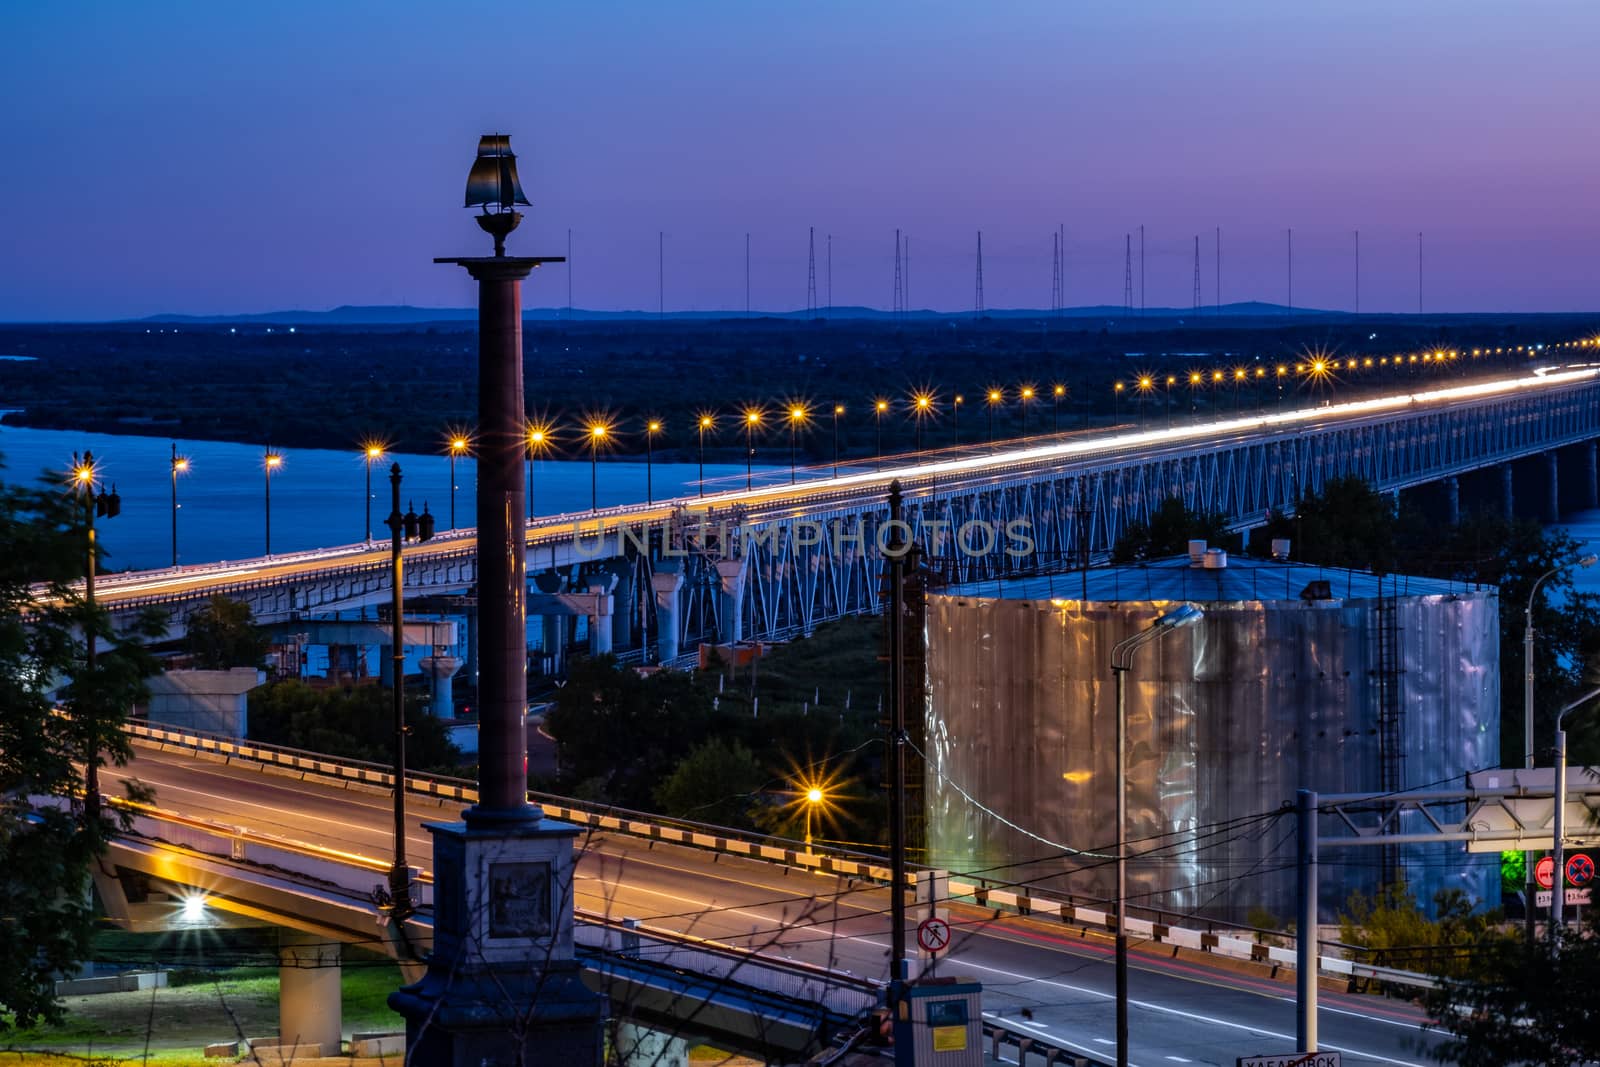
(778, 850)
(1030, 1044)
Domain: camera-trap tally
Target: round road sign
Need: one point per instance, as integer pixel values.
(933, 935)
(1580, 869)
(1545, 872)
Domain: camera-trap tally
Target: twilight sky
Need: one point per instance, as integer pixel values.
(203, 157)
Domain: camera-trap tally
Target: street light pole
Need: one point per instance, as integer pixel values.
(1529, 883)
(796, 417)
(179, 464)
(705, 424)
(1558, 888)
(1121, 663)
(750, 420)
(838, 409)
(650, 430)
(399, 872)
(269, 463)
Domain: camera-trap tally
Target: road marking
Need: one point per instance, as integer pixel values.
(1179, 1059)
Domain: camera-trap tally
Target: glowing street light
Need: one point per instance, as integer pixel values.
(597, 436)
(96, 503)
(1195, 381)
(814, 797)
(1145, 383)
(878, 408)
(838, 409)
(651, 428)
(1116, 401)
(797, 419)
(371, 452)
(1025, 395)
(705, 423)
(539, 439)
(955, 416)
(921, 408)
(752, 419)
(458, 445)
(995, 398)
(270, 462)
(180, 465)
(1055, 407)
(1171, 381)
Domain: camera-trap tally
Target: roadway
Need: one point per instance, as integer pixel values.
(1182, 1011)
(819, 491)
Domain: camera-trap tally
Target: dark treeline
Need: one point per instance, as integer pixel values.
(330, 387)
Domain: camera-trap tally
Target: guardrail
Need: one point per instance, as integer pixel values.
(793, 854)
(1031, 1044)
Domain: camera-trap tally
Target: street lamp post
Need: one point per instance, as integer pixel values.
(597, 434)
(1121, 663)
(180, 465)
(651, 428)
(1529, 883)
(399, 873)
(923, 407)
(838, 409)
(877, 412)
(813, 798)
(955, 417)
(797, 415)
(995, 396)
(1171, 381)
(1116, 402)
(1558, 889)
(96, 502)
(1146, 384)
(538, 441)
(371, 452)
(751, 419)
(705, 424)
(1055, 407)
(1025, 395)
(270, 462)
(458, 446)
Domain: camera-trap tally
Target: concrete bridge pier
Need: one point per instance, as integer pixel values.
(1508, 491)
(552, 628)
(1450, 491)
(666, 583)
(731, 572)
(1548, 468)
(623, 602)
(602, 614)
(640, 1046)
(1589, 482)
(442, 670)
(310, 1012)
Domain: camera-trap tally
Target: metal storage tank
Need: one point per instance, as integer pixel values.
(1276, 688)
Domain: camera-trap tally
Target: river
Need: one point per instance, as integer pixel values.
(318, 496)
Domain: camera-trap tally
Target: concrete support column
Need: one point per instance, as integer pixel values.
(1550, 495)
(600, 621)
(442, 669)
(1589, 492)
(1508, 496)
(731, 572)
(640, 1046)
(623, 605)
(1452, 500)
(310, 1013)
(666, 585)
(554, 640)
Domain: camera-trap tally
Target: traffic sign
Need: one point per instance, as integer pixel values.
(1545, 872)
(1580, 869)
(933, 935)
(1292, 1059)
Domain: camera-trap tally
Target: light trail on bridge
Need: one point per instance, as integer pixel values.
(828, 491)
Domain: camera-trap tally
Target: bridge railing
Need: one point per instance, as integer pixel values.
(1182, 931)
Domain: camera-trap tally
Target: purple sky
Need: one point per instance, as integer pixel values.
(202, 157)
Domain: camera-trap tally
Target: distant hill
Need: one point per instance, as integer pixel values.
(405, 315)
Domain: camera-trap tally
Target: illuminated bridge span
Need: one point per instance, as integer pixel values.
(777, 560)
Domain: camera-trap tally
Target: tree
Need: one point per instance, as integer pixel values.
(223, 634)
(1346, 524)
(714, 783)
(1521, 1004)
(1168, 533)
(53, 739)
(356, 723)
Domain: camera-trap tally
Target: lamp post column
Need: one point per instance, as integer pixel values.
(1122, 866)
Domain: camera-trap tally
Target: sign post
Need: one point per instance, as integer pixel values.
(1292, 1059)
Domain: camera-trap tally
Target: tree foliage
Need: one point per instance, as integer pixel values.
(1521, 1004)
(223, 634)
(356, 723)
(1393, 925)
(1346, 524)
(1168, 533)
(716, 782)
(59, 723)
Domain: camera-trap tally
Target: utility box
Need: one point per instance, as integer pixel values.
(941, 1021)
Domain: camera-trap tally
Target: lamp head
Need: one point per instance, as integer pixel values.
(1179, 617)
(1589, 560)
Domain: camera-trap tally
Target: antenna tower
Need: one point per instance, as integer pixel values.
(1290, 236)
(830, 273)
(811, 272)
(979, 305)
(1127, 273)
(899, 292)
(1141, 269)
(1055, 273)
(1197, 272)
(1358, 272)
